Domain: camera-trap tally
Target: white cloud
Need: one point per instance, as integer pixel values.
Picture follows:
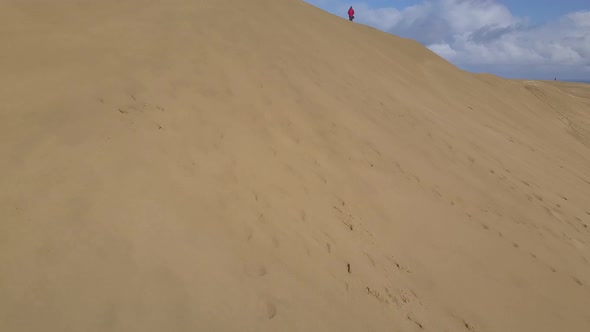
(484, 35)
(443, 50)
(581, 19)
(468, 16)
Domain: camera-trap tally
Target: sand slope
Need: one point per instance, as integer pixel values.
(262, 165)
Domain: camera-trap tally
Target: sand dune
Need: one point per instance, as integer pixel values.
(262, 165)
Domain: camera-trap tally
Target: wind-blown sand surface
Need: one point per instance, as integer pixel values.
(262, 165)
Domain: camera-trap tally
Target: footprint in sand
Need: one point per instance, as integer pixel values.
(399, 266)
(412, 319)
(256, 270)
(262, 271)
(271, 310)
(468, 326)
(577, 281)
(371, 260)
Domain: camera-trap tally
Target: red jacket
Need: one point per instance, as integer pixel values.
(350, 12)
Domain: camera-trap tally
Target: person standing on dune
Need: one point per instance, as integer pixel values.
(350, 14)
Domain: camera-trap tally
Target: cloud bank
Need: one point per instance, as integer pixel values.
(483, 35)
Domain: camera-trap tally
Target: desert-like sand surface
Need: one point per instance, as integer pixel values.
(262, 165)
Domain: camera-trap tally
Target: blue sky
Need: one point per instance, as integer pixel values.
(534, 39)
